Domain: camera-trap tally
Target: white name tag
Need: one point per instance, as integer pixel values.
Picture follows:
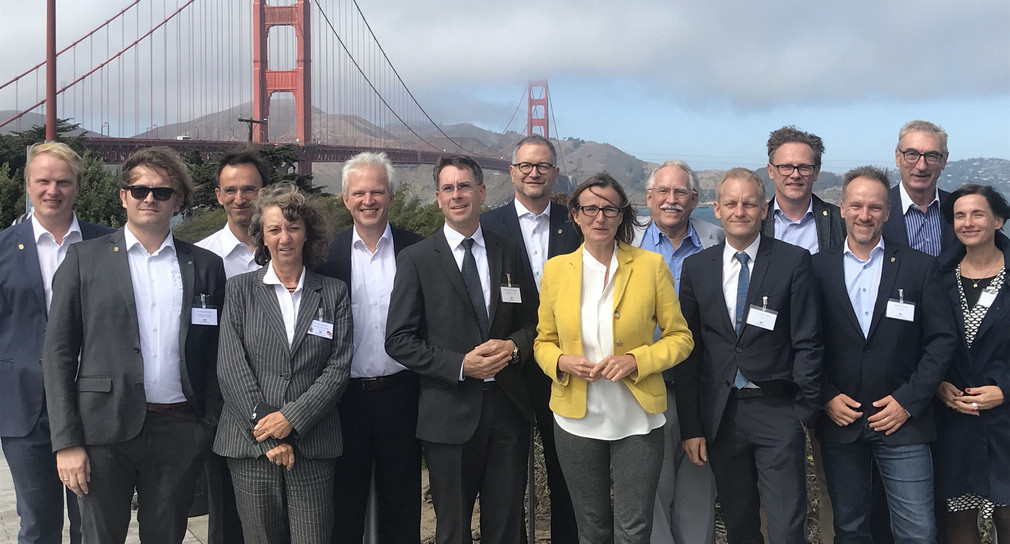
(986, 298)
(511, 294)
(762, 317)
(904, 311)
(321, 329)
(204, 316)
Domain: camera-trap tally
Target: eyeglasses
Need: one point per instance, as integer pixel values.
(543, 168)
(463, 188)
(787, 169)
(608, 211)
(911, 156)
(140, 192)
(678, 192)
(247, 190)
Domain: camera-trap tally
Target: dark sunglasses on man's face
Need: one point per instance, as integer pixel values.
(140, 192)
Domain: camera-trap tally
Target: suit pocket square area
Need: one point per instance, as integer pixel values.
(95, 384)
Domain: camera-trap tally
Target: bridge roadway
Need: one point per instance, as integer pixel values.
(116, 150)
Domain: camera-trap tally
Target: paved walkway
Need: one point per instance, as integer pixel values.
(10, 523)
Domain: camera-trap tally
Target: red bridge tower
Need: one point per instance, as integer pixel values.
(297, 81)
(537, 108)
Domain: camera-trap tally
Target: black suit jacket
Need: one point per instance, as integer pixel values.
(563, 238)
(827, 218)
(92, 361)
(431, 326)
(23, 320)
(894, 228)
(788, 357)
(900, 358)
(338, 258)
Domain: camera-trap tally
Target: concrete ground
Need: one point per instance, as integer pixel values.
(10, 522)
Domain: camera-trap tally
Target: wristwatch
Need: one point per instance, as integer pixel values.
(515, 354)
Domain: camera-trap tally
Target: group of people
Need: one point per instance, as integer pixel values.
(661, 364)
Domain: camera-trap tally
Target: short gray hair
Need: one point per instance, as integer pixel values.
(676, 163)
(368, 158)
(535, 139)
(744, 174)
(929, 128)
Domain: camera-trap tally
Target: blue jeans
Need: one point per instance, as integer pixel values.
(907, 473)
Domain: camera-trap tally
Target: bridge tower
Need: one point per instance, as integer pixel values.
(536, 104)
(296, 81)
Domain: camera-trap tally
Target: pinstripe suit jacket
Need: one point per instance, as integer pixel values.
(304, 380)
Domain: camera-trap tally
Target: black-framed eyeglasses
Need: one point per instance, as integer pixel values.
(140, 192)
(543, 168)
(787, 169)
(608, 211)
(911, 156)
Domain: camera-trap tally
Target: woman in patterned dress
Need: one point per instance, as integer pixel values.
(973, 423)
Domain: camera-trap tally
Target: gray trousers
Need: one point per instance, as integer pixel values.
(628, 467)
(685, 498)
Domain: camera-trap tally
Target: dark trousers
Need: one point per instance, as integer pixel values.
(378, 419)
(223, 523)
(491, 463)
(38, 489)
(162, 463)
(564, 529)
(761, 444)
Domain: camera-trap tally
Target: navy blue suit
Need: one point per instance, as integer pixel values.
(24, 426)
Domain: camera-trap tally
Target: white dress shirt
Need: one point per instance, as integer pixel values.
(371, 282)
(612, 413)
(731, 274)
(535, 229)
(479, 251)
(157, 290)
(289, 302)
(51, 254)
(237, 257)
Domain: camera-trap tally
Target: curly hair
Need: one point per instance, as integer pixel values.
(295, 207)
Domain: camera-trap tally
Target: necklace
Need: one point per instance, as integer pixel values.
(986, 273)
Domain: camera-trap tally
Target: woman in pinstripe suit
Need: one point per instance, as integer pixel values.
(283, 362)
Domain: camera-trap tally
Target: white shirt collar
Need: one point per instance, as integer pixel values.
(522, 210)
(455, 239)
(387, 235)
(132, 241)
(270, 277)
(906, 201)
(38, 230)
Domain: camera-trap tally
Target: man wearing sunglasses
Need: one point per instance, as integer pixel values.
(796, 215)
(920, 156)
(129, 360)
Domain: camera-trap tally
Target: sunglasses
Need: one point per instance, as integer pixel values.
(140, 192)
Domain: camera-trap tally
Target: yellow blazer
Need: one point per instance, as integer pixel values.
(643, 297)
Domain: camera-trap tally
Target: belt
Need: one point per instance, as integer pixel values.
(374, 384)
(747, 393)
(182, 410)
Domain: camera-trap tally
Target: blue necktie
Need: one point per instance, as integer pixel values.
(472, 280)
(742, 283)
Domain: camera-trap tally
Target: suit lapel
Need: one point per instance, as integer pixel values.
(822, 223)
(561, 229)
(121, 268)
(448, 263)
(28, 254)
(271, 309)
(186, 269)
(836, 285)
(715, 290)
(307, 308)
(894, 227)
(758, 272)
(495, 274)
(623, 274)
(889, 274)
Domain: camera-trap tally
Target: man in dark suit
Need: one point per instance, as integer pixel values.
(460, 315)
(129, 360)
(30, 252)
(797, 215)
(888, 342)
(542, 229)
(378, 411)
(920, 156)
(751, 383)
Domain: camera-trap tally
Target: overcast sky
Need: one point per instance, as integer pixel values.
(704, 81)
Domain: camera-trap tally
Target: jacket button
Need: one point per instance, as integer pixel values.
(739, 350)
(728, 384)
(136, 350)
(286, 376)
(139, 385)
(620, 342)
(617, 315)
(867, 350)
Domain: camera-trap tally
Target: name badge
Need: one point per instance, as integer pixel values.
(986, 298)
(321, 328)
(204, 316)
(898, 309)
(509, 293)
(762, 317)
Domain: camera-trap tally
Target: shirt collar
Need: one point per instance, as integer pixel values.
(455, 239)
(522, 210)
(878, 249)
(906, 201)
(38, 230)
(729, 251)
(657, 236)
(270, 277)
(132, 241)
(778, 211)
(387, 235)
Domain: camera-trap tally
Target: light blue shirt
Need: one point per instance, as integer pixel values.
(801, 233)
(862, 281)
(654, 240)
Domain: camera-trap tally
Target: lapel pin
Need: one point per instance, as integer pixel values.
(115, 249)
(559, 231)
(892, 259)
(189, 262)
(824, 212)
(21, 246)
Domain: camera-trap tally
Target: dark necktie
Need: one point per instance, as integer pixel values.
(742, 283)
(472, 280)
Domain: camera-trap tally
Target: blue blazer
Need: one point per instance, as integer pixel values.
(23, 326)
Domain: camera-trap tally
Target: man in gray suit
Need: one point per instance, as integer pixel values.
(685, 498)
(129, 360)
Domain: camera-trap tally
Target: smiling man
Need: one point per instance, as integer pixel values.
(378, 411)
(130, 360)
(797, 215)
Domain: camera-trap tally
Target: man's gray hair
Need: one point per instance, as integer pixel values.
(676, 163)
(535, 139)
(375, 159)
(929, 128)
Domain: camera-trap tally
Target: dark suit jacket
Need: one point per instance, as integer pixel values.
(563, 238)
(894, 228)
(23, 326)
(100, 400)
(900, 358)
(338, 258)
(788, 357)
(304, 380)
(431, 326)
(827, 217)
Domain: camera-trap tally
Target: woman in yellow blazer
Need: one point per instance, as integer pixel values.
(597, 339)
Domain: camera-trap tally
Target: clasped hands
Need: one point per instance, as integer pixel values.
(972, 399)
(611, 367)
(275, 425)
(844, 410)
(487, 359)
